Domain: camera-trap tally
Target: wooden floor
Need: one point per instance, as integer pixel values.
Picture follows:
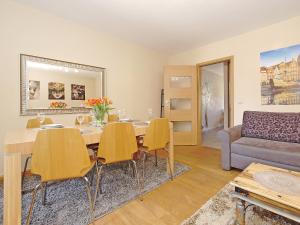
(176, 200)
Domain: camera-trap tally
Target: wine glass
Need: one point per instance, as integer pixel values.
(119, 112)
(41, 118)
(92, 115)
(150, 114)
(80, 119)
(122, 114)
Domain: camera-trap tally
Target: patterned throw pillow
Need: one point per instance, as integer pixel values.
(272, 126)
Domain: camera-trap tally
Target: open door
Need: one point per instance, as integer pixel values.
(180, 89)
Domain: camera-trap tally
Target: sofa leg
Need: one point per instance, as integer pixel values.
(226, 166)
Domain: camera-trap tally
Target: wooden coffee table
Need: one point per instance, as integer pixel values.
(271, 188)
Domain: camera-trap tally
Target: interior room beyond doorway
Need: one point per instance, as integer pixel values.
(213, 103)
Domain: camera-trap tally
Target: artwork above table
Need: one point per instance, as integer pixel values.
(280, 76)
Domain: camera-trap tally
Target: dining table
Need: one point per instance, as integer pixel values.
(20, 142)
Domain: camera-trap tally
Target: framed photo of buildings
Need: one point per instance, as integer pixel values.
(280, 76)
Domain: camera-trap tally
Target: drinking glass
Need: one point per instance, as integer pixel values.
(122, 114)
(150, 114)
(41, 118)
(119, 113)
(92, 115)
(80, 119)
(125, 116)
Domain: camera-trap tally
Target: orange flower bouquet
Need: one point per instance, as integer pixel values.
(58, 105)
(101, 107)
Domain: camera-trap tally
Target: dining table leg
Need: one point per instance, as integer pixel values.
(171, 151)
(12, 189)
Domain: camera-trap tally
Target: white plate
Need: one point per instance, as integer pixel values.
(54, 125)
(126, 120)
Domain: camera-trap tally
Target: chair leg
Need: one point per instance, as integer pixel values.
(144, 159)
(137, 177)
(171, 173)
(169, 164)
(156, 158)
(88, 191)
(24, 170)
(98, 183)
(92, 175)
(44, 200)
(130, 169)
(28, 219)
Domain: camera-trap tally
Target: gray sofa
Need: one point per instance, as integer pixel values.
(264, 137)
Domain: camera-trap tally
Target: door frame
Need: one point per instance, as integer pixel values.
(230, 60)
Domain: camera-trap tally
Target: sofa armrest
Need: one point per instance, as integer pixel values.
(227, 137)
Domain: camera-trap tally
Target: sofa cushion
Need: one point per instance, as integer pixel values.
(272, 126)
(281, 152)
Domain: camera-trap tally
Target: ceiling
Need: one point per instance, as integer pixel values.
(172, 26)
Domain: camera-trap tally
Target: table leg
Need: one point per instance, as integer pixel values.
(171, 150)
(240, 212)
(12, 188)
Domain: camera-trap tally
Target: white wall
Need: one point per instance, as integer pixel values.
(134, 73)
(212, 76)
(246, 49)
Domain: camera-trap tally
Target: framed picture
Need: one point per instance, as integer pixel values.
(77, 92)
(280, 76)
(56, 91)
(34, 89)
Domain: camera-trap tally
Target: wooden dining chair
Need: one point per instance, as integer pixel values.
(157, 137)
(113, 118)
(117, 144)
(33, 123)
(48, 121)
(60, 154)
(87, 120)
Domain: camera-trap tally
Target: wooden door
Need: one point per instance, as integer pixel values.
(181, 107)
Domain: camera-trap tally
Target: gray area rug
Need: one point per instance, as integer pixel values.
(220, 210)
(67, 201)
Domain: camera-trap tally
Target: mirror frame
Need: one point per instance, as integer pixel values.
(24, 94)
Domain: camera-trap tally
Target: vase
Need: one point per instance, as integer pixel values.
(99, 116)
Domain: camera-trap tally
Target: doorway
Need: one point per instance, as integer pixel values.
(214, 100)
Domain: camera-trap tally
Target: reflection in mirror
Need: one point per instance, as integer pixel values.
(53, 86)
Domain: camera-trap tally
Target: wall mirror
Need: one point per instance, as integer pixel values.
(55, 87)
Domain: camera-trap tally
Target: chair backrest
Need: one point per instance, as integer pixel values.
(59, 154)
(47, 121)
(117, 142)
(157, 134)
(87, 120)
(35, 123)
(113, 118)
